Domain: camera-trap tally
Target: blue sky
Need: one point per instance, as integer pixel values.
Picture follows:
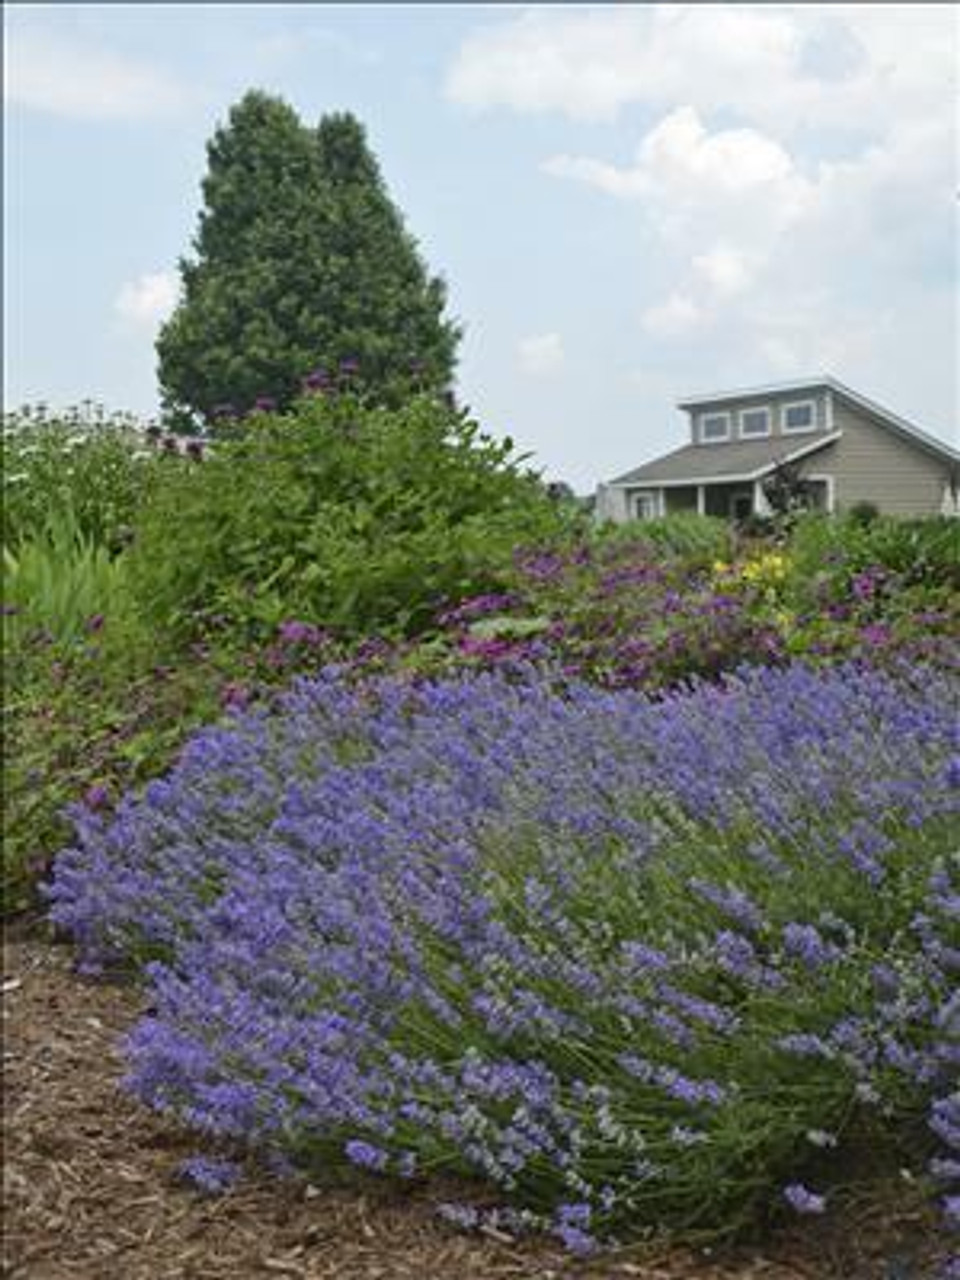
(629, 203)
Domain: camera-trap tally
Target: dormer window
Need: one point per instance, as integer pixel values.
(799, 416)
(754, 423)
(714, 427)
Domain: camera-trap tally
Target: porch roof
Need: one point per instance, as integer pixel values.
(719, 463)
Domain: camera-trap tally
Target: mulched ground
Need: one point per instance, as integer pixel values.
(91, 1187)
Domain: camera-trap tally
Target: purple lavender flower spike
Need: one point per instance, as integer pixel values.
(212, 1176)
(803, 1200)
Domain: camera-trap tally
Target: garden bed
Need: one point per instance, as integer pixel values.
(92, 1190)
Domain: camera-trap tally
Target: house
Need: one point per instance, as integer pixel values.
(847, 448)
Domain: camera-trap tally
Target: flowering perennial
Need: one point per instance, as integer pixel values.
(627, 959)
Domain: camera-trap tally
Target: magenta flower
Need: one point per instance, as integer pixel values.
(317, 380)
(875, 634)
(478, 648)
(293, 632)
(234, 696)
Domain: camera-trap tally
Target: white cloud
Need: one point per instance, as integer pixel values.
(539, 61)
(628, 184)
(680, 152)
(84, 82)
(676, 317)
(681, 161)
(719, 202)
(149, 299)
(541, 354)
(726, 270)
(763, 220)
(788, 68)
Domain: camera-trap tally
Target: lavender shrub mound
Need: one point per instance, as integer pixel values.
(631, 961)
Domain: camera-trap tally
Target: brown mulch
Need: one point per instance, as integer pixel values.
(91, 1189)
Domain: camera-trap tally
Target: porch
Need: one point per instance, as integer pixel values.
(728, 499)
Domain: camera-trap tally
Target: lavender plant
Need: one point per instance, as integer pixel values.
(631, 960)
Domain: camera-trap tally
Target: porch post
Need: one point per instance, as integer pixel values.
(701, 500)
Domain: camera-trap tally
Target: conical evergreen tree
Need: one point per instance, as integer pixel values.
(301, 262)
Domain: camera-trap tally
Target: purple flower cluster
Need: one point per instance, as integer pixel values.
(583, 945)
(302, 633)
(208, 1174)
(318, 381)
(802, 1199)
(477, 607)
(627, 614)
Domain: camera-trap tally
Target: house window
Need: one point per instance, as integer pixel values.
(754, 422)
(645, 506)
(713, 427)
(800, 416)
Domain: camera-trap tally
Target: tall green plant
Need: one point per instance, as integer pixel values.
(62, 581)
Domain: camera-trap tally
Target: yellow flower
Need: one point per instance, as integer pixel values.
(771, 567)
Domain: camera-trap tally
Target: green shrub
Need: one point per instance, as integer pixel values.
(352, 516)
(863, 512)
(79, 719)
(702, 538)
(831, 550)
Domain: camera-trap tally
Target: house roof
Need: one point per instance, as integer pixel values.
(827, 383)
(738, 460)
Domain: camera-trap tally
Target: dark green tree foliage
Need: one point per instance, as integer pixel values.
(302, 263)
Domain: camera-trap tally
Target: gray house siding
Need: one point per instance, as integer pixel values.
(774, 402)
(873, 464)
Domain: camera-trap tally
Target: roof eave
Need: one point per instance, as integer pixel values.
(812, 446)
(773, 388)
